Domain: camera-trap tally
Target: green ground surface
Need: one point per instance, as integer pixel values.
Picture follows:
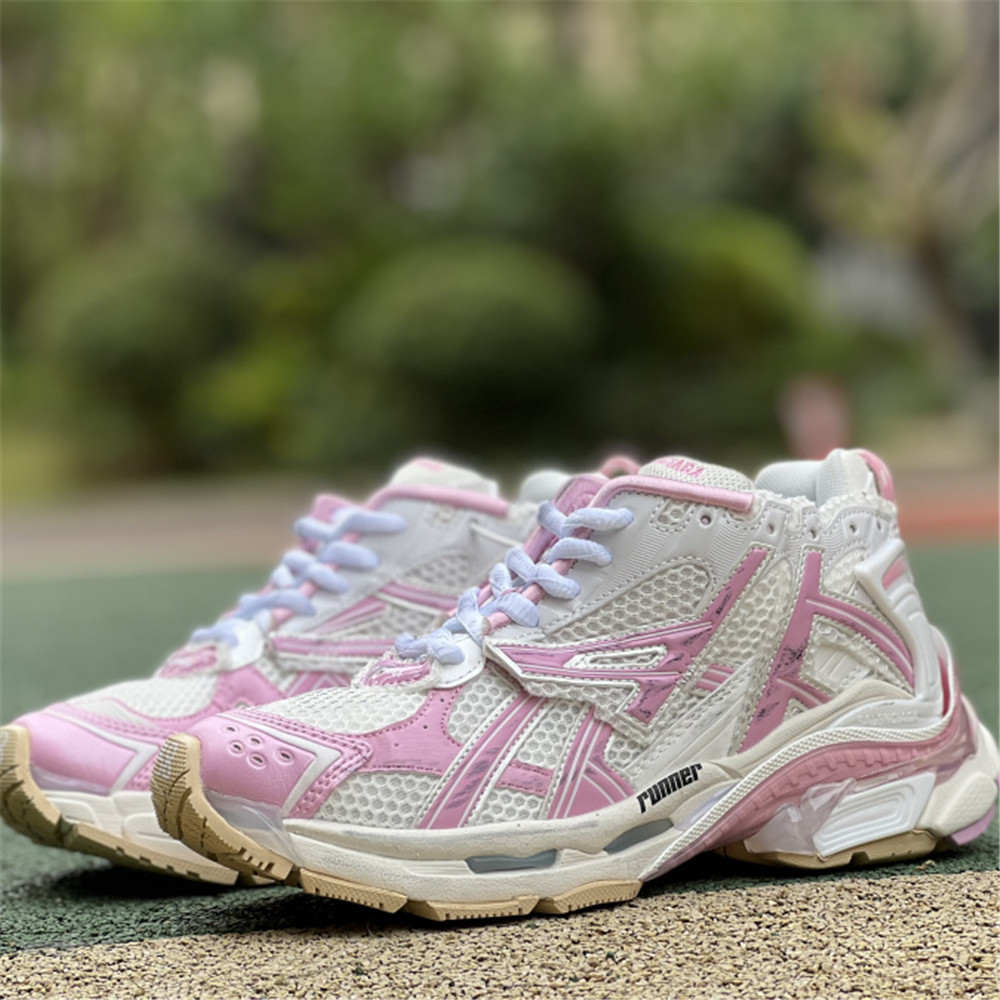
(63, 637)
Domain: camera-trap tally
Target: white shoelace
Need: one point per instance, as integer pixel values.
(299, 566)
(508, 580)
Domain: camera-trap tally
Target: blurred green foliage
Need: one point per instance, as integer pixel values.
(306, 235)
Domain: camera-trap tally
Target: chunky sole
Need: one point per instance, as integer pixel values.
(60, 819)
(833, 798)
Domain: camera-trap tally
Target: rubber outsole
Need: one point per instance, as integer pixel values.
(26, 808)
(185, 812)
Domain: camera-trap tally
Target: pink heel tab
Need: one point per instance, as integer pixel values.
(619, 465)
(883, 478)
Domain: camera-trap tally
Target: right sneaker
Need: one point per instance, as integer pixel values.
(76, 774)
(678, 661)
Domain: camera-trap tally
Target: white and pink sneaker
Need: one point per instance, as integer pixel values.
(76, 774)
(677, 661)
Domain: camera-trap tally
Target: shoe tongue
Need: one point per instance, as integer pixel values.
(432, 472)
(688, 470)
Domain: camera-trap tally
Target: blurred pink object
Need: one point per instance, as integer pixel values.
(815, 416)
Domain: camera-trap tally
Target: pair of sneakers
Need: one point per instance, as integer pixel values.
(677, 659)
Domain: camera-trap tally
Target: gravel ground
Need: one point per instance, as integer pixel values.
(921, 936)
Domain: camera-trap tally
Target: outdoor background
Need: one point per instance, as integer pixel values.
(319, 237)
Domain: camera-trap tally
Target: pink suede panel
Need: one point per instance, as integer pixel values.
(420, 743)
(241, 760)
(60, 747)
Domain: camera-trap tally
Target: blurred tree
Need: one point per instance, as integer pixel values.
(311, 234)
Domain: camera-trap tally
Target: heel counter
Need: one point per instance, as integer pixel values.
(888, 580)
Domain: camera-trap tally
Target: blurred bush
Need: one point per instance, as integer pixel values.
(308, 235)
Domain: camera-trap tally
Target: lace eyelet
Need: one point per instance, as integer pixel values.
(705, 519)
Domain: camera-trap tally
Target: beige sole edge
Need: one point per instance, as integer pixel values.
(185, 813)
(25, 808)
(912, 844)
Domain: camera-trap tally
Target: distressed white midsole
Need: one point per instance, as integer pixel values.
(560, 855)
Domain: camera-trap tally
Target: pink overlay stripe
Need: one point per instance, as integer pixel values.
(883, 477)
(330, 648)
(189, 660)
(713, 676)
(898, 569)
(785, 681)
(714, 496)
(460, 795)
(940, 755)
(466, 499)
(417, 595)
(587, 782)
(683, 644)
(366, 608)
(523, 777)
(392, 672)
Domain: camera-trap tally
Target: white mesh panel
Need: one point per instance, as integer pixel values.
(503, 805)
(281, 674)
(621, 752)
(672, 596)
(379, 799)
(348, 710)
(671, 515)
(547, 742)
(839, 577)
(160, 697)
(749, 629)
(479, 699)
(839, 657)
(447, 573)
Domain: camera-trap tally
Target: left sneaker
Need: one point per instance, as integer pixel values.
(76, 774)
(676, 661)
